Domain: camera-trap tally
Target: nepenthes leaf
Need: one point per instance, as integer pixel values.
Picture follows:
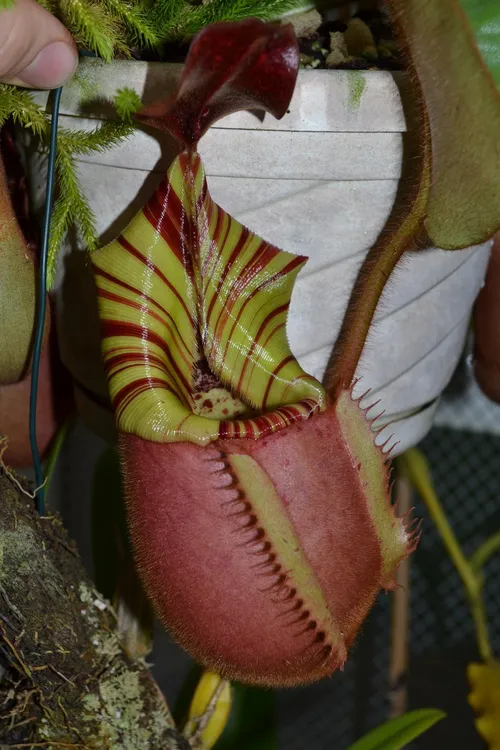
(17, 292)
(451, 196)
(463, 108)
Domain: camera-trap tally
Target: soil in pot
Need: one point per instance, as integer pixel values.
(340, 40)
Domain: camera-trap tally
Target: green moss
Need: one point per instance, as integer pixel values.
(85, 82)
(357, 85)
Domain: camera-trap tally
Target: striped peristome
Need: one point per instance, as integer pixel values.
(185, 284)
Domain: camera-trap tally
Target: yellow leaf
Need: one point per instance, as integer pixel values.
(485, 700)
(209, 711)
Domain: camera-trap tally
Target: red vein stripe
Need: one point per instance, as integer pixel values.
(129, 393)
(166, 212)
(147, 301)
(210, 282)
(278, 330)
(277, 369)
(294, 265)
(147, 262)
(259, 427)
(116, 329)
(254, 256)
(265, 323)
(177, 340)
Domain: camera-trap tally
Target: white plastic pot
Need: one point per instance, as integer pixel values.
(321, 182)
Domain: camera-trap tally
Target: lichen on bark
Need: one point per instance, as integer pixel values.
(65, 680)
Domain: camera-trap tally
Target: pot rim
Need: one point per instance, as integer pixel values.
(323, 101)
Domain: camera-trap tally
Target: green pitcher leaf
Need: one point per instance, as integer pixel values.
(463, 107)
(484, 18)
(397, 733)
(17, 293)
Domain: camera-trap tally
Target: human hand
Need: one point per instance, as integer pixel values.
(36, 50)
(487, 329)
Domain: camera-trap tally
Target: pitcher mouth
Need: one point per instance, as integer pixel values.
(236, 419)
(193, 310)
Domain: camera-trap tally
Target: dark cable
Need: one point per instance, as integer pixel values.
(42, 303)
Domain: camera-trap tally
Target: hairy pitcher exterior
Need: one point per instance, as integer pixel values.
(259, 510)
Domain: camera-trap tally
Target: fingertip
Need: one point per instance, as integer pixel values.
(51, 68)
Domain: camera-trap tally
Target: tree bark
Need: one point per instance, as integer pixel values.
(65, 680)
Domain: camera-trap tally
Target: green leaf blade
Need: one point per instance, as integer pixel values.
(463, 108)
(484, 18)
(397, 733)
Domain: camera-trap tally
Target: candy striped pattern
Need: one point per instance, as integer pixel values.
(187, 283)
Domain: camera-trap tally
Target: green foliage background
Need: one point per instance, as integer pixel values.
(116, 27)
(484, 18)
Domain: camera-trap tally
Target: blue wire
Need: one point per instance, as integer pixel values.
(42, 303)
(42, 297)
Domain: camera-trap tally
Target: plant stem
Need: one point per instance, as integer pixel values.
(483, 553)
(480, 622)
(414, 465)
